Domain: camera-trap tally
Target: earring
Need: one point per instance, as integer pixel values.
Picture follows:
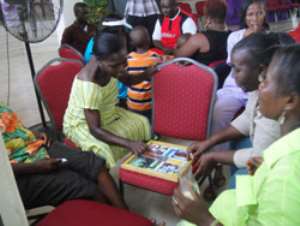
(282, 117)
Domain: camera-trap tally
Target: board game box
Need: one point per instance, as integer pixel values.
(162, 160)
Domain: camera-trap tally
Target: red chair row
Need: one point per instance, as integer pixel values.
(186, 7)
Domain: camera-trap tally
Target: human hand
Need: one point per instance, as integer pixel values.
(137, 147)
(47, 165)
(191, 209)
(204, 164)
(253, 164)
(197, 149)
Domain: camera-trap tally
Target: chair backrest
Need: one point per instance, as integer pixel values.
(200, 8)
(183, 99)
(185, 7)
(11, 207)
(54, 82)
(67, 51)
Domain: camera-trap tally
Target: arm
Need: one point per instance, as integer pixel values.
(93, 119)
(195, 43)
(41, 166)
(132, 80)
(67, 36)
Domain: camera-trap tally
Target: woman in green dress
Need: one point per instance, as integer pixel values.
(92, 120)
(271, 196)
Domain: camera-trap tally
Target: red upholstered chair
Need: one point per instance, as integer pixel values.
(67, 51)
(295, 34)
(200, 8)
(183, 99)
(216, 63)
(185, 7)
(54, 82)
(88, 213)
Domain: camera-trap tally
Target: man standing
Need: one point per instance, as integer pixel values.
(143, 13)
(79, 33)
(171, 25)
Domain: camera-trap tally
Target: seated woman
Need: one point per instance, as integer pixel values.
(210, 45)
(272, 195)
(92, 120)
(44, 178)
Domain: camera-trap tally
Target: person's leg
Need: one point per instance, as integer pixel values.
(92, 167)
(54, 188)
(149, 23)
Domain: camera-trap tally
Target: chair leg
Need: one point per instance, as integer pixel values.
(121, 187)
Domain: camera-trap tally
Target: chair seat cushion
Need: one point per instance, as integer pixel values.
(89, 213)
(148, 182)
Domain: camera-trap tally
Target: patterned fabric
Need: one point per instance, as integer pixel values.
(88, 95)
(271, 196)
(141, 8)
(21, 143)
(139, 95)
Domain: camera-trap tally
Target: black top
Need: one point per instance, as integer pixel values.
(217, 47)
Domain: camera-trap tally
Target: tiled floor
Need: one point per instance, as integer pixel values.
(22, 99)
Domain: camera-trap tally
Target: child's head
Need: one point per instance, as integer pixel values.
(182, 40)
(139, 38)
(250, 57)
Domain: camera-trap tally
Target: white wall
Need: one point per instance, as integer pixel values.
(22, 98)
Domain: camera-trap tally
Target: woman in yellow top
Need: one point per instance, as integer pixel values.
(272, 195)
(92, 120)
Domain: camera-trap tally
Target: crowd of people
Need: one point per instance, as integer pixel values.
(110, 107)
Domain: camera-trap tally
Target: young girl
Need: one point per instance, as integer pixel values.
(92, 120)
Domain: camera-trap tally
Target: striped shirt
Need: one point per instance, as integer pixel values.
(139, 95)
(141, 8)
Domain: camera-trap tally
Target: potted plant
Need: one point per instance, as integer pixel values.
(98, 9)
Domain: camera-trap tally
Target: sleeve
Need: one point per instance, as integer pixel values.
(243, 122)
(189, 26)
(241, 157)
(230, 43)
(89, 51)
(91, 96)
(225, 210)
(157, 31)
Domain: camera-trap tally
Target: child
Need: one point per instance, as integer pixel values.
(139, 95)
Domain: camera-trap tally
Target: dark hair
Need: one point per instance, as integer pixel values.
(286, 59)
(283, 38)
(78, 5)
(244, 10)
(106, 44)
(216, 9)
(260, 46)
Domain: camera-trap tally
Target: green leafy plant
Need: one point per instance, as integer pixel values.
(98, 9)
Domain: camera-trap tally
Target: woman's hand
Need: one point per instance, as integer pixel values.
(137, 147)
(194, 210)
(197, 149)
(204, 164)
(253, 164)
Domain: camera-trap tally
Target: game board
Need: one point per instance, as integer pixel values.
(163, 160)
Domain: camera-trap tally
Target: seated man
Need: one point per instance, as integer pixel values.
(171, 25)
(51, 174)
(79, 33)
